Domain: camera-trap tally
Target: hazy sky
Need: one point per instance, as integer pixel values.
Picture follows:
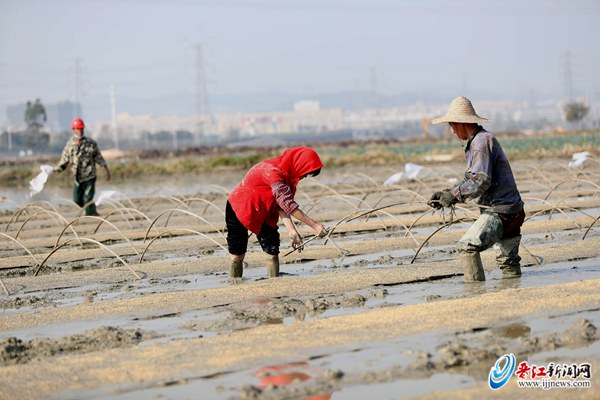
(147, 48)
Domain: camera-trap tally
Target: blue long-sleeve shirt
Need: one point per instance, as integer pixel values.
(488, 175)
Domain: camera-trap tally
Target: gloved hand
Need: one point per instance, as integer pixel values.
(447, 199)
(296, 240)
(434, 200)
(441, 199)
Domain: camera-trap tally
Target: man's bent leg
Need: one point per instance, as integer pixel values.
(486, 231)
(472, 267)
(507, 257)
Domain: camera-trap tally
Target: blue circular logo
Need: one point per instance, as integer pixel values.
(500, 374)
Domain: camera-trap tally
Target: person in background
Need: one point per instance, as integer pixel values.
(489, 178)
(265, 195)
(83, 155)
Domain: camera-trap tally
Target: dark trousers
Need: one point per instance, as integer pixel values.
(83, 193)
(237, 235)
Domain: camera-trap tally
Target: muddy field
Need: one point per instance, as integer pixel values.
(137, 304)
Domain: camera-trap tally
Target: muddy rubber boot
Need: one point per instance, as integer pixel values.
(507, 257)
(510, 271)
(472, 267)
(273, 266)
(236, 269)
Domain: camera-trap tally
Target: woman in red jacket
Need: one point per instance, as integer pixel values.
(264, 195)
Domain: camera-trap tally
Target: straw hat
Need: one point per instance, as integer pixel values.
(460, 110)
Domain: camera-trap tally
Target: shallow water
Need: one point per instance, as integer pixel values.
(133, 188)
(371, 372)
(401, 294)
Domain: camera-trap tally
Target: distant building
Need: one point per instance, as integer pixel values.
(307, 106)
(59, 115)
(306, 117)
(15, 115)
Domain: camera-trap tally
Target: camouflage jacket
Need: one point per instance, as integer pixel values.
(83, 158)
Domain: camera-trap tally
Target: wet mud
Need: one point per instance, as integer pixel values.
(275, 311)
(16, 351)
(153, 285)
(468, 353)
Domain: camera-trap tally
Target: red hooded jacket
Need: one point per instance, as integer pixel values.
(253, 200)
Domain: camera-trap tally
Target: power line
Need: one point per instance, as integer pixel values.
(568, 75)
(202, 107)
(373, 87)
(113, 116)
(78, 86)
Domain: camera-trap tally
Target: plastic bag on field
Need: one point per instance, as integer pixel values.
(579, 159)
(105, 195)
(411, 171)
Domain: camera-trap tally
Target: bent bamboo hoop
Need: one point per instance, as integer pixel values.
(103, 220)
(41, 265)
(178, 229)
(171, 210)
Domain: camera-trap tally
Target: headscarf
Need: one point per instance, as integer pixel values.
(253, 200)
(295, 163)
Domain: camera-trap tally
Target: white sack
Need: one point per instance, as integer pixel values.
(36, 185)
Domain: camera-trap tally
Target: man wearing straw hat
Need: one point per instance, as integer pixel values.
(489, 178)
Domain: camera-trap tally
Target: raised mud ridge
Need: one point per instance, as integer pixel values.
(137, 303)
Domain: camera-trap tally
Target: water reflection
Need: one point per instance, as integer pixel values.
(512, 331)
(88, 296)
(288, 374)
(474, 288)
(479, 288)
(273, 321)
(509, 283)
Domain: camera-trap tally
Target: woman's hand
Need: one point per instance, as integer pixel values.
(296, 240)
(321, 230)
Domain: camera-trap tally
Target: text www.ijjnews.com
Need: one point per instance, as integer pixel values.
(548, 384)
